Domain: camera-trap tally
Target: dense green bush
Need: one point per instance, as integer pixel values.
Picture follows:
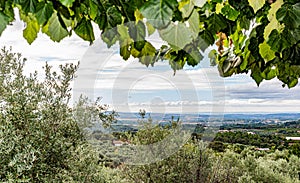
(40, 140)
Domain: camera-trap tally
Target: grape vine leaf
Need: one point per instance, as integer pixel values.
(279, 42)
(269, 73)
(28, 6)
(137, 32)
(186, 7)
(194, 24)
(266, 52)
(67, 3)
(177, 35)
(125, 41)
(216, 22)
(159, 12)
(44, 12)
(230, 13)
(289, 15)
(4, 20)
(256, 75)
(199, 3)
(274, 24)
(256, 4)
(54, 29)
(147, 55)
(32, 28)
(84, 29)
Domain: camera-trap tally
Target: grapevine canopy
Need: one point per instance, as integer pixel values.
(256, 36)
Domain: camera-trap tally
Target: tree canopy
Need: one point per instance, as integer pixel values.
(257, 36)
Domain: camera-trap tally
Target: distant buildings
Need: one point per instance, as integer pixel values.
(119, 142)
(293, 138)
(262, 149)
(223, 131)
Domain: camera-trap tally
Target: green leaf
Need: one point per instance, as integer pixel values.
(244, 64)
(123, 32)
(244, 22)
(199, 3)
(291, 36)
(269, 73)
(125, 41)
(137, 31)
(84, 29)
(248, 58)
(213, 57)
(4, 20)
(27, 6)
(216, 23)
(274, 24)
(193, 55)
(147, 55)
(265, 51)
(93, 9)
(274, 8)
(114, 17)
(177, 59)
(230, 13)
(293, 82)
(194, 24)
(292, 55)
(150, 29)
(219, 7)
(256, 4)
(206, 39)
(186, 7)
(225, 66)
(176, 35)
(279, 42)
(217, 1)
(8, 10)
(54, 29)
(159, 12)
(138, 15)
(275, 41)
(44, 12)
(110, 37)
(289, 15)
(67, 3)
(125, 51)
(256, 75)
(32, 28)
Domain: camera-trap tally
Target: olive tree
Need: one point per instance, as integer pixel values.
(40, 140)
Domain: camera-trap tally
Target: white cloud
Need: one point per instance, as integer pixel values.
(131, 86)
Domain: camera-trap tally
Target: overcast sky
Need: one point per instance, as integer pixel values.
(130, 86)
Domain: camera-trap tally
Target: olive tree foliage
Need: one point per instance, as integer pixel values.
(256, 36)
(194, 162)
(190, 163)
(40, 141)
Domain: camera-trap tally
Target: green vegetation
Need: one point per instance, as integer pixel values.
(257, 36)
(196, 162)
(41, 140)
